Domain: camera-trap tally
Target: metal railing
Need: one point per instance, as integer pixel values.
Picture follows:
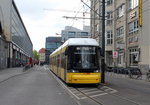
(132, 73)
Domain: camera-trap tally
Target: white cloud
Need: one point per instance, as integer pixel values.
(41, 24)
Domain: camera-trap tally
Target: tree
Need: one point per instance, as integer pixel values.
(35, 55)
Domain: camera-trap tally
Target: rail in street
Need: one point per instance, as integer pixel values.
(101, 95)
(40, 86)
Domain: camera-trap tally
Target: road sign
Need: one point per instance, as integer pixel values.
(115, 54)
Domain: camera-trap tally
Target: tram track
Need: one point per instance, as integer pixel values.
(96, 101)
(106, 93)
(123, 98)
(77, 92)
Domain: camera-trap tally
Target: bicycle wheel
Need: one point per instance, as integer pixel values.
(148, 77)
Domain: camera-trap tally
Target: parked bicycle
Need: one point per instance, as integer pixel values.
(135, 73)
(148, 76)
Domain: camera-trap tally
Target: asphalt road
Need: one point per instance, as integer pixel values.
(38, 86)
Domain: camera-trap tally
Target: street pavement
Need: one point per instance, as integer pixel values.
(35, 87)
(10, 72)
(38, 86)
(131, 89)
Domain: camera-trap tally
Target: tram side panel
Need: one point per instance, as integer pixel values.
(83, 78)
(63, 64)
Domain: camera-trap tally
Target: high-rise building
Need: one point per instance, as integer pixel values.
(16, 45)
(72, 32)
(52, 43)
(127, 42)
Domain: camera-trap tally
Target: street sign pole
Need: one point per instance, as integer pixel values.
(103, 43)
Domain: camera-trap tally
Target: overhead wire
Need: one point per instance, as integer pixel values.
(77, 14)
(75, 17)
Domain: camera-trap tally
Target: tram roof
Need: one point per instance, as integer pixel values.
(81, 41)
(78, 41)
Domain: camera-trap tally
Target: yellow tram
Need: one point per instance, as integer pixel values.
(77, 61)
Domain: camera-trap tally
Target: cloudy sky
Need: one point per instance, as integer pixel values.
(43, 18)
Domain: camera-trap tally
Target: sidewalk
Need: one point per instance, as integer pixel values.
(126, 76)
(10, 72)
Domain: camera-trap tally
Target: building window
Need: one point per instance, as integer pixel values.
(120, 32)
(120, 58)
(109, 2)
(71, 34)
(120, 11)
(132, 4)
(109, 17)
(84, 33)
(109, 58)
(134, 56)
(133, 27)
(120, 44)
(109, 36)
(133, 40)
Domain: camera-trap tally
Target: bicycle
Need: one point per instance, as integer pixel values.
(148, 76)
(135, 73)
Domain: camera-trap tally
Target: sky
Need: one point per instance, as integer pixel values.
(43, 18)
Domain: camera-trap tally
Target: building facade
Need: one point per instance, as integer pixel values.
(127, 43)
(52, 43)
(42, 55)
(72, 32)
(18, 46)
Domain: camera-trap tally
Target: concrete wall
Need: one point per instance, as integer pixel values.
(145, 37)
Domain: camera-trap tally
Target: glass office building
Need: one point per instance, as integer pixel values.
(52, 43)
(18, 43)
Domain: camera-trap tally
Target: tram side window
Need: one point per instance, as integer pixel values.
(63, 60)
(55, 61)
(70, 51)
(58, 59)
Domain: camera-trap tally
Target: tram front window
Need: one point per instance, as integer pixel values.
(84, 58)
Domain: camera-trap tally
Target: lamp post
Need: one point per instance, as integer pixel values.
(103, 43)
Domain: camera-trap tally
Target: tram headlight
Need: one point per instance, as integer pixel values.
(96, 71)
(74, 71)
